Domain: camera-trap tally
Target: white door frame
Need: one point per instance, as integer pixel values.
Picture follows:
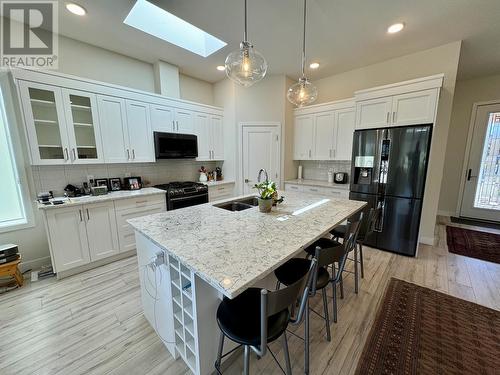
(241, 125)
(468, 147)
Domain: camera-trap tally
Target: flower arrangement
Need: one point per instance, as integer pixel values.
(268, 195)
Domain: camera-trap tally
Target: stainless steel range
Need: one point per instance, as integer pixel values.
(184, 194)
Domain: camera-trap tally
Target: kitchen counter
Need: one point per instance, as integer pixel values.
(218, 183)
(114, 195)
(233, 250)
(321, 183)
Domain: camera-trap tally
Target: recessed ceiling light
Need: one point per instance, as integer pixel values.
(314, 65)
(396, 28)
(76, 9)
(221, 67)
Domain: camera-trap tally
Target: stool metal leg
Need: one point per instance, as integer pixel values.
(219, 353)
(341, 286)
(327, 319)
(334, 286)
(361, 260)
(306, 339)
(287, 354)
(356, 275)
(246, 361)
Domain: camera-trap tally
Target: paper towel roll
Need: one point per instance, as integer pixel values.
(299, 173)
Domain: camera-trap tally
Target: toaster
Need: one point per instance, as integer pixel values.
(340, 177)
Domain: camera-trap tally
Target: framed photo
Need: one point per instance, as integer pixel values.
(101, 182)
(132, 183)
(115, 184)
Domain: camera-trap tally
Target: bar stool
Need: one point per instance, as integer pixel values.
(366, 229)
(257, 317)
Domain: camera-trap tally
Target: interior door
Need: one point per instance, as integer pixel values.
(83, 127)
(139, 132)
(101, 230)
(45, 123)
(261, 149)
(481, 197)
(324, 130)
(112, 114)
(303, 137)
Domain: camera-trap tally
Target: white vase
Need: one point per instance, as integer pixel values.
(203, 177)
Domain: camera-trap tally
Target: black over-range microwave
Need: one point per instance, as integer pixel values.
(175, 146)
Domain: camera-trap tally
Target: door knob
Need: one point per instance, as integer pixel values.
(247, 180)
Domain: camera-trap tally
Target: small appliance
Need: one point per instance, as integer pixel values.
(340, 177)
(175, 146)
(99, 190)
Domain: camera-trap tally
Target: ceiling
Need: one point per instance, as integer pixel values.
(342, 34)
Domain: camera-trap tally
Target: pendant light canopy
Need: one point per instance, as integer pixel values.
(245, 66)
(303, 92)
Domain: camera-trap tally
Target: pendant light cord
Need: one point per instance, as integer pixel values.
(245, 34)
(303, 41)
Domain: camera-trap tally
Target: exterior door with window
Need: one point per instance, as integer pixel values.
(481, 197)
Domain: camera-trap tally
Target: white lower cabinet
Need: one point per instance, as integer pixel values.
(82, 234)
(67, 237)
(321, 190)
(219, 192)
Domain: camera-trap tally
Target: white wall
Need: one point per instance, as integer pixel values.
(196, 90)
(442, 59)
(466, 94)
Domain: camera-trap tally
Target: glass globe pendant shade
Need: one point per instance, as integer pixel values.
(302, 93)
(246, 66)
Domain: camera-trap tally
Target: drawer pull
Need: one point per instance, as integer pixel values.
(139, 202)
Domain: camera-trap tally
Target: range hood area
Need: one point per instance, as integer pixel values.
(175, 146)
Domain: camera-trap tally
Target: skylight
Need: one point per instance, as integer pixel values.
(156, 21)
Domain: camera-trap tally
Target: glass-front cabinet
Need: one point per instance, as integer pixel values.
(61, 125)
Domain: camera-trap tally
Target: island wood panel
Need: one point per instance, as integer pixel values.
(92, 323)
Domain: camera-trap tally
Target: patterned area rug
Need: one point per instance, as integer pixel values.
(474, 244)
(421, 331)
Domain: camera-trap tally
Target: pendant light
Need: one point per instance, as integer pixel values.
(303, 92)
(245, 66)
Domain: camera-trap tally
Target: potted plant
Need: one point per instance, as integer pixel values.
(267, 193)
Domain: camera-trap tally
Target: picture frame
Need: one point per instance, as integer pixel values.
(102, 182)
(132, 183)
(115, 184)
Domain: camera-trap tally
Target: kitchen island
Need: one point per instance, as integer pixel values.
(190, 258)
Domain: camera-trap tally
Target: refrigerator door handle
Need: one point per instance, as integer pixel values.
(379, 221)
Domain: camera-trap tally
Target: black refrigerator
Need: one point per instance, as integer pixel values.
(388, 171)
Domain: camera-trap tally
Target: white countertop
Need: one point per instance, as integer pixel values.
(321, 183)
(233, 250)
(113, 195)
(217, 183)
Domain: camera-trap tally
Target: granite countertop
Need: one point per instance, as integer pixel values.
(114, 195)
(321, 183)
(233, 250)
(217, 183)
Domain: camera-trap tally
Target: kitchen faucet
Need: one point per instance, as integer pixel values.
(260, 174)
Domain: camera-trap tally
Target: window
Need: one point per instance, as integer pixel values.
(12, 206)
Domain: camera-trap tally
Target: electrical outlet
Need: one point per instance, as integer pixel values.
(90, 177)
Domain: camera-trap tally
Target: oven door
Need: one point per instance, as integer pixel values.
(181, 202)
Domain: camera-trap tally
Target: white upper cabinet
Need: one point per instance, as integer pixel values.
(344, 125)
(414, 108)
(303, 137)
(373, 113)
(140, 135)
(184, 123)
(210, 133)
(324, 142)
(400, 104)
(162, 118)
(112, 113)
(83, 127)
(324, 131)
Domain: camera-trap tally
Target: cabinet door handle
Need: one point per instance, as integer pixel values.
(66, 156)
(388, 114)
(81, 218)
(173, 125)
(128, 154)
(74, 153)
(330, 153)
(133, 153)
(393, 117)
(177, 122)
(88, 216)
(334, 153)
(309, 153)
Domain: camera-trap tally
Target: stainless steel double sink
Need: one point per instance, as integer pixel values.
(239, 204)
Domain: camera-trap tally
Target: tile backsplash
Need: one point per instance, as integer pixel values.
(55, 178)
(318, 170)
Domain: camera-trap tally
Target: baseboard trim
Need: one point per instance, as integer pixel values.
(34, 264)
(427, 240)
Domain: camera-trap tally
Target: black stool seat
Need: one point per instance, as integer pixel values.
(339, 231)
(239, 318)
(296, 268)
(323, 243)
